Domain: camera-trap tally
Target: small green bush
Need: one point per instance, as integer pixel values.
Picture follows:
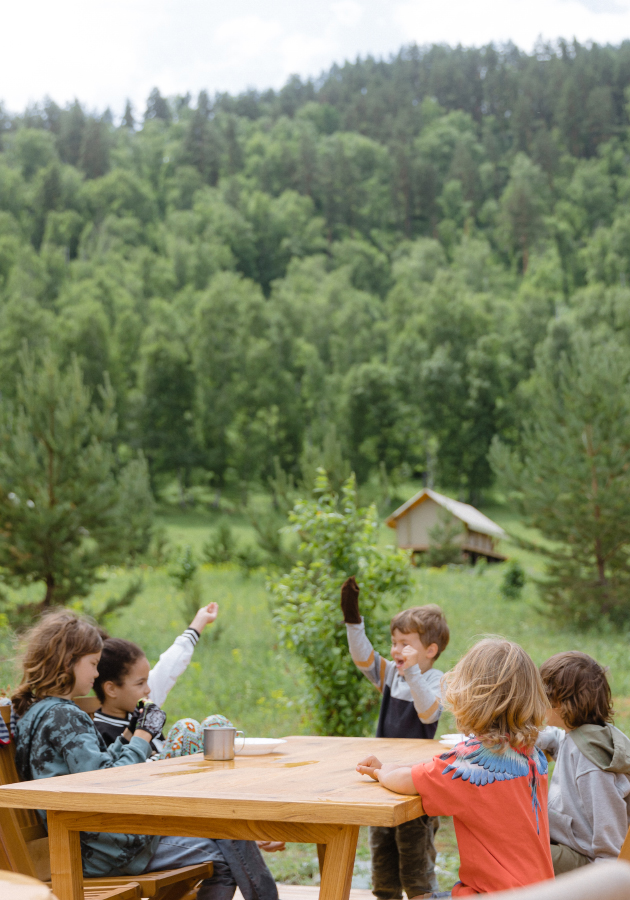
(221, 545)
(513, 580)
(338, 539)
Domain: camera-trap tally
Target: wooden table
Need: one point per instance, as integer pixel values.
(309, 793)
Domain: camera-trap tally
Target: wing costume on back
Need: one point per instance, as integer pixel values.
(484, 765)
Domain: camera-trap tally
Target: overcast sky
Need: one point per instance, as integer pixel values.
(103, 51)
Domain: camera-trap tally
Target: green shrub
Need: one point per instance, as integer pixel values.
(220, 546)
(513, 580)
(338, 539)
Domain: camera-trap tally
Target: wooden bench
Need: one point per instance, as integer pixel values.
(21, 887)
(24, 849)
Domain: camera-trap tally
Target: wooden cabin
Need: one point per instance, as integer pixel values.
(414, 520)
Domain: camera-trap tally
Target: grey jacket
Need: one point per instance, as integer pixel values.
(589, 794)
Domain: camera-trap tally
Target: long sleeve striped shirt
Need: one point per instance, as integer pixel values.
(412, 701)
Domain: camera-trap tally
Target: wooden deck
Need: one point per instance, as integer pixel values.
(300, 892)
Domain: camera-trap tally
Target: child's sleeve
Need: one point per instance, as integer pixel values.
(171, 664)
(365, 657)
(439, 793)
(426, 692)
(606, 809)
(83, 749)
(549, 740)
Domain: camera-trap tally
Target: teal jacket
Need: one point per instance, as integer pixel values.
(54, 737)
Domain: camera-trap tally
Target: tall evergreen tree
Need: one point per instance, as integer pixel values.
(571, 481)
(94, 159)
(70, 137)
(128, 120)
(157, 107)
(67, 506)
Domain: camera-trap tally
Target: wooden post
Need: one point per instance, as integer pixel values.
(65, 859)
(338, 865)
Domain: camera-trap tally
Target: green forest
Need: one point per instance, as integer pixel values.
(383, 258)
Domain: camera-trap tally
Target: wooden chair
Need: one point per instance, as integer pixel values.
(624, 853)
(20, 887)
(88, 704)
(24, 848)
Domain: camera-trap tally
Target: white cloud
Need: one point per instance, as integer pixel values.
(522, 21)
(106, 50)
(604, 6)
(347, 12)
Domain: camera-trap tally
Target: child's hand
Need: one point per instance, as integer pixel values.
(205, 616)
(411, 657)
(368, 766)
(350, 601)
(151, 718)
(272, 846)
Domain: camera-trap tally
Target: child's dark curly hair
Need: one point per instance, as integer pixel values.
(117, 658)
(577, 686)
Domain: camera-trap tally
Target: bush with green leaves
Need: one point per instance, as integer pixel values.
(338, 539)
(513, 580)
(220, 546)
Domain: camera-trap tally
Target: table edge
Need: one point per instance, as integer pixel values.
(324, 812)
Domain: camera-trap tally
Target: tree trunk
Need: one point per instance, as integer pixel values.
(50, 589)
(180, 484)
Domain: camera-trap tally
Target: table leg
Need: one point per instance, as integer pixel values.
(321, 855)
(65, 859)
(338, 865)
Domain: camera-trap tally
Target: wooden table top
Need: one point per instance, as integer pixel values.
(313, 779)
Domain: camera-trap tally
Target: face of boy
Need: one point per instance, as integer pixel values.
(124, 697)
(408, 650)
(85, 672)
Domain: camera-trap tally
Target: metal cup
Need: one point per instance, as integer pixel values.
(218, 742)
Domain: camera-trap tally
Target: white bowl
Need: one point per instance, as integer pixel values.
(258, 746)
(451, 740)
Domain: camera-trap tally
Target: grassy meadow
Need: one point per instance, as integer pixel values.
(240, 670)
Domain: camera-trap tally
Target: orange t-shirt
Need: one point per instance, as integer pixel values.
(499, 806)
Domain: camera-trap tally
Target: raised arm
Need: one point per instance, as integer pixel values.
(364, 656)
(174, 661)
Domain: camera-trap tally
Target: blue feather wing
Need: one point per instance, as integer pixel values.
(483, 765)
(480, 765)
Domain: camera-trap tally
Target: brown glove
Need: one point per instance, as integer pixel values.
(350, 601)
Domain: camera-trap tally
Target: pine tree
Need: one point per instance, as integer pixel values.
(67, 505)
(571, 478)
(157, 107)
(128, 120)
(72, 125)
(94, 159)
(201, 142)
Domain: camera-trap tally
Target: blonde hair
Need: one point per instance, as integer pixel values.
(429, 622)
(53, 647)
(496, 693)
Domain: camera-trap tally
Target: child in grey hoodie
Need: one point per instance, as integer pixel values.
(589, 795)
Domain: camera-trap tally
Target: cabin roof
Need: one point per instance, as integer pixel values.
(475, 520)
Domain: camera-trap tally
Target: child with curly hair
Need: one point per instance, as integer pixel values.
(494, 784)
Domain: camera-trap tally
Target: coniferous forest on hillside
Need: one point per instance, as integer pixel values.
(385, 259)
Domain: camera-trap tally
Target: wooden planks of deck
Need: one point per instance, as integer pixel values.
(301, 892)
